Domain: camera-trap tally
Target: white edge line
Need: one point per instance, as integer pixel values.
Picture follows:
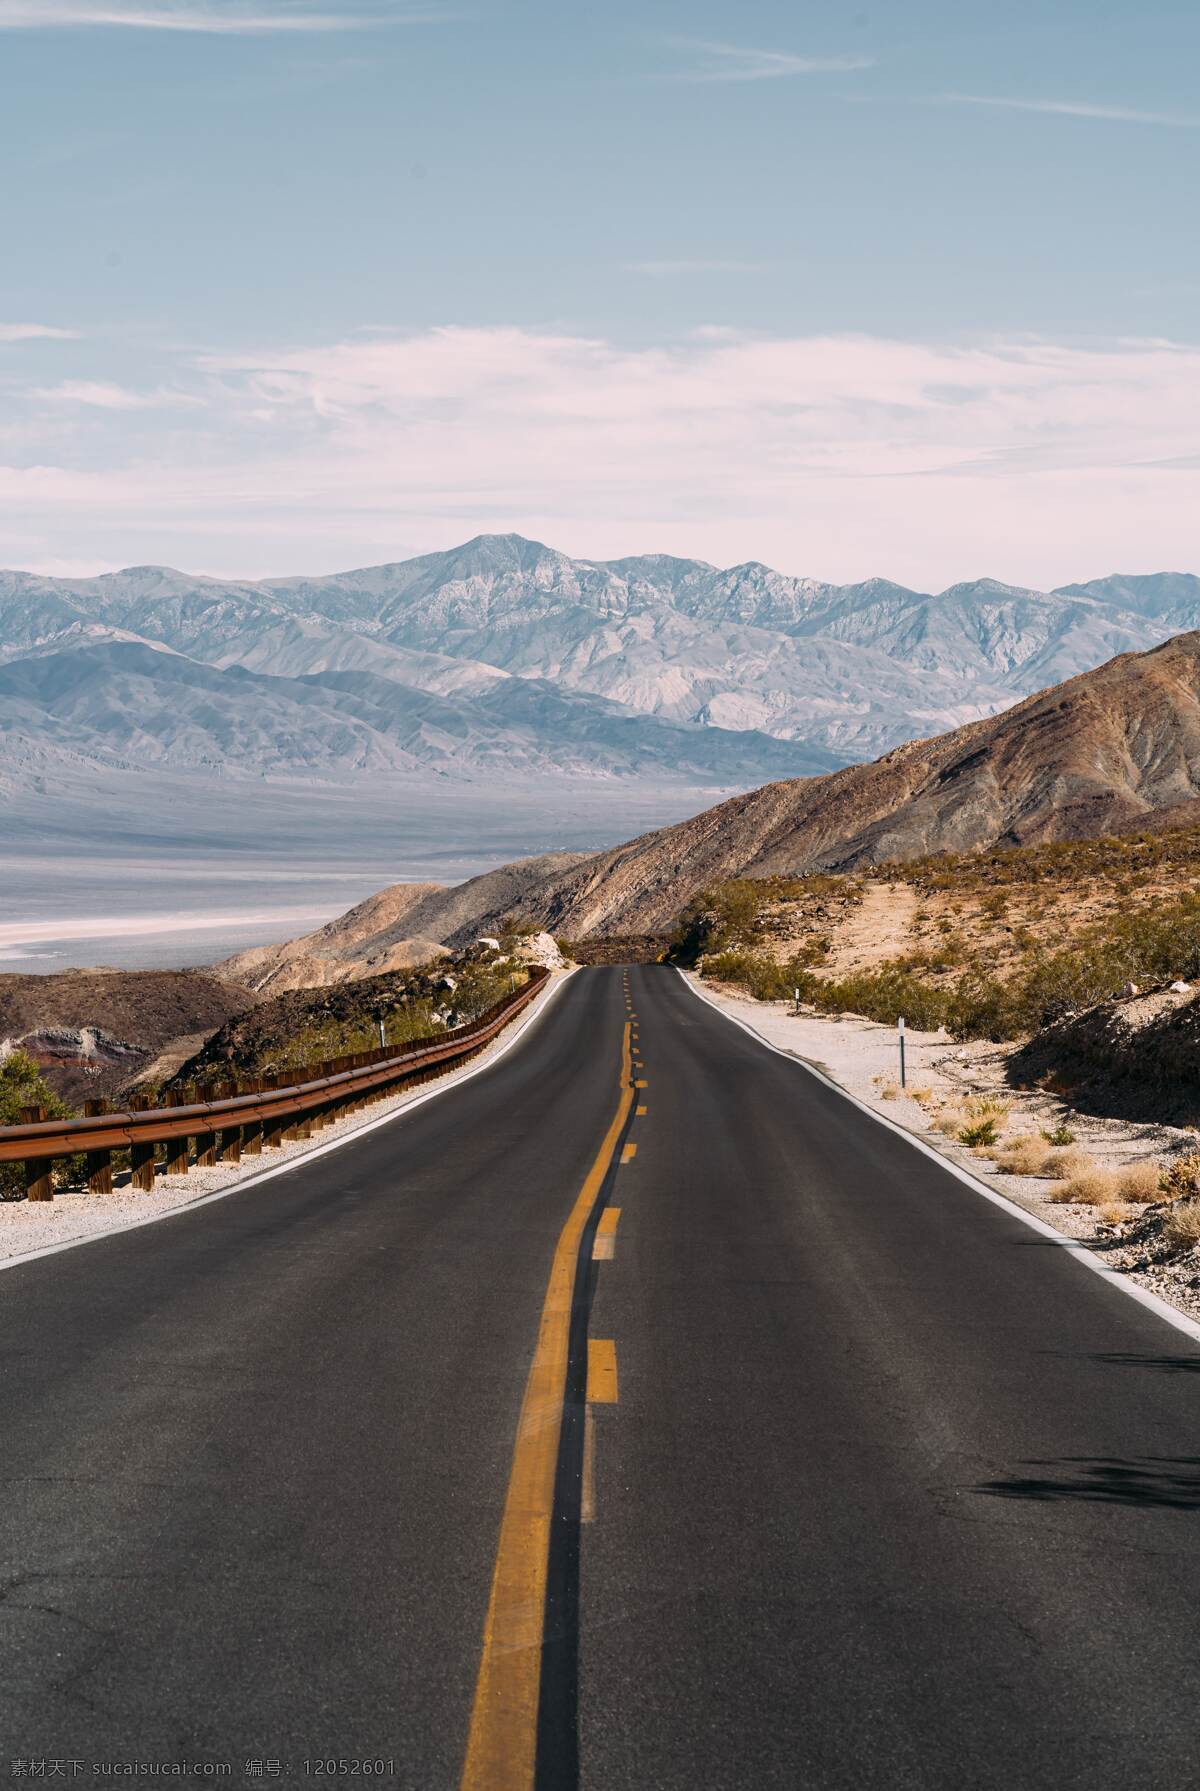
(454, 1080)
(1080, 1251)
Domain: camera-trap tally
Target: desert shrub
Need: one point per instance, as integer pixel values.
(886, 994)
(1059, 1136)
(1181, 1178)
(22, 1085)
(1090, 1187)
(950, 1121)
(1114, 1213)
(921, 1095)
(762, 976)
(1139, 1183)
(979, 1132)
(1181, 1227)
(722, 915)
(1069, 1162)
(1025, 1155)
(889, 1090)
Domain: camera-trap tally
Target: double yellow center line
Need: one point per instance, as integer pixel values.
(502, 1743)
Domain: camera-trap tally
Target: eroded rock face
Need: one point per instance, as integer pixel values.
(539, 948)
(92, 1031)
(1133, 1057)
(80, 1062)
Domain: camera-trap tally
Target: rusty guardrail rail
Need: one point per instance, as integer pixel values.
(230, 1120)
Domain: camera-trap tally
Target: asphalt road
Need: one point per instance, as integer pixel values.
(892, 1491)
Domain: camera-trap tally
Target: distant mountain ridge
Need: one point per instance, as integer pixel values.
(848, 671)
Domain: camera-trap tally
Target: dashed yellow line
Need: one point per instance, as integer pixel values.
(640, 1111)
(602, 1371)
(502, 1742)
(629, 1153)
(606, 1235)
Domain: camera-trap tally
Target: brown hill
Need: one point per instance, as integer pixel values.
(404, 925)
(92, 1031)
(1087, 757)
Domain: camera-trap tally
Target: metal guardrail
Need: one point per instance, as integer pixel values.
(233, 1120)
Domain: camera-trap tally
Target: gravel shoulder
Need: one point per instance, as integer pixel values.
(862, 1056)
(73, 1215)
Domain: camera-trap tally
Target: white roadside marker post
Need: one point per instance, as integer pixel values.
(900, 1024)
(382, 1035)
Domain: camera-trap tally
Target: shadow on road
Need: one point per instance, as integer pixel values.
(1157, 1364)
(1166, 1481)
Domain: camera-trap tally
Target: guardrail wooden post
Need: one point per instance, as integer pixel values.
(39, 1184)
(98, 1163)
(206, 1141)
(252, 1131)
(273, 1128)
(141, 1155)
(229, 1139)
(175, 1158)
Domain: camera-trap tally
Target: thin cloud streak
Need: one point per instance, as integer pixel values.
(35, 332)
(735, 62)
(102, 395)
(1072, 109)
(20, 15)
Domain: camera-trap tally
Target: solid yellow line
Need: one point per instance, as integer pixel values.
(602, 1371)
(502, 1742)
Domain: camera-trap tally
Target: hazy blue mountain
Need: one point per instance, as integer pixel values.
(126, 700)
(424, 662)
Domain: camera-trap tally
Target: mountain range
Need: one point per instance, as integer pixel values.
(504, 658)
(1109, 750)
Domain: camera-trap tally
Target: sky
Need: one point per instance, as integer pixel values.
(295, 287)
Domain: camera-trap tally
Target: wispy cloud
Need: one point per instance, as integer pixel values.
(1072, 109)
(697, 266)
(34, 332)
(214, 18)
(103, 395)
(736, 62)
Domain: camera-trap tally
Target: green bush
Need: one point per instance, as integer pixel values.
(22, 1085)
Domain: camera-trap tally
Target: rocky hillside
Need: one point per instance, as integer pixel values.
(1134, 1057)
(93, 1031)
(1081, 759)
(1111, 750)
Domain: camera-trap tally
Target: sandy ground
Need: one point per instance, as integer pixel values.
(26, 1227)
(863, 1057)
(879, 927)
